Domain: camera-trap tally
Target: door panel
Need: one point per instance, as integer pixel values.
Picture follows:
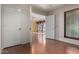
(16, 24)
(11, 22)
(50, 27)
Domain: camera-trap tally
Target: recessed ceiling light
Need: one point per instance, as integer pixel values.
(19, 10)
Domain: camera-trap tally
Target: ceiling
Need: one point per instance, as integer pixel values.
(47, 7)
(38, 17)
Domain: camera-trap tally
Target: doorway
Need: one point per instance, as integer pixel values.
(38, 31)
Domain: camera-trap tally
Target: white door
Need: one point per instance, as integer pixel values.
(15, 25)
(11, 27)
(50, 26)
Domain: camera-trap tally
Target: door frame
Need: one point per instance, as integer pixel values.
(30, 25)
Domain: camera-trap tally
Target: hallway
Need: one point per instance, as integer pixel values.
(40, 45)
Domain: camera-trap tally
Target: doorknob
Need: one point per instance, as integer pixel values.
(19, 28)
(29, 28)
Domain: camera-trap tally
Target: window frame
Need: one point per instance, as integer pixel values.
(66, 23)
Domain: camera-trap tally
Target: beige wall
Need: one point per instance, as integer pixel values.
(59, 13)
(34, 26)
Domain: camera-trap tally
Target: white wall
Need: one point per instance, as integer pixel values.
(0, 28)
(24, 23)
(59, 13)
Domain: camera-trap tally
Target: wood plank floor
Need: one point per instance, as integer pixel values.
(40, 45)
(18, 49)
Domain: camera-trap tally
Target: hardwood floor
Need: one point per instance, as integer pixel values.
(40, 45)
(18, 49)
